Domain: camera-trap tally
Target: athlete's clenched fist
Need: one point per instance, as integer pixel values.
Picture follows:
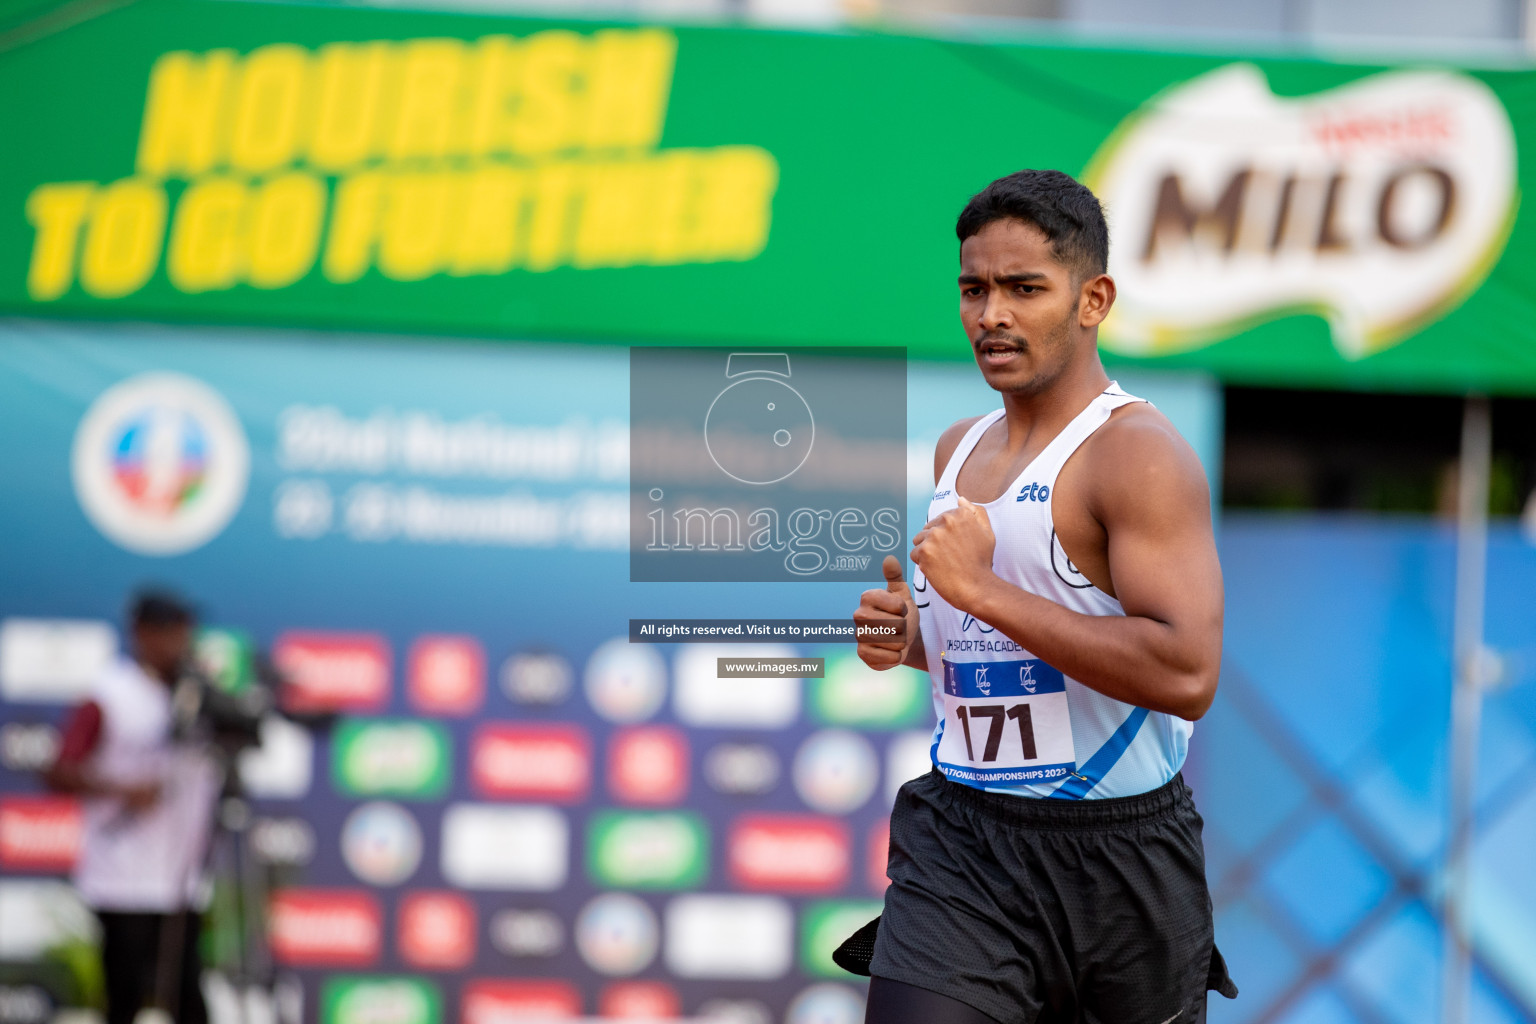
(955, 552)
(888, 607)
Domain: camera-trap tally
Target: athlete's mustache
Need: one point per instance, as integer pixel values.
(1001, 339)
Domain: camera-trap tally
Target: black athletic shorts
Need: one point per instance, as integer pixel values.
(1051, 911)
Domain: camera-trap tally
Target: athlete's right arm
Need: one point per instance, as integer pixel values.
(895, 601)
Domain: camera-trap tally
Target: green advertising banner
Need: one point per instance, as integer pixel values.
(648, 850)
(1272, 220)
(372, 1000)
(391, 757)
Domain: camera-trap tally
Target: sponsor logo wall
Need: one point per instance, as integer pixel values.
(515, 811)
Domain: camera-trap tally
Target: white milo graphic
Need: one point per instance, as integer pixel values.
(1378, 205)
(160, 463)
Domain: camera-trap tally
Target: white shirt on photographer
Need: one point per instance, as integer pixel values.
(151, 860)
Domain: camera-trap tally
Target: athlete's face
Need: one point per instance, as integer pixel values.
(1025, 315)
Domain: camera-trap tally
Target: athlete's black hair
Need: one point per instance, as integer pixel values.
(1059, 205)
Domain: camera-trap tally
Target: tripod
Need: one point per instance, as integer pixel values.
(238, 909)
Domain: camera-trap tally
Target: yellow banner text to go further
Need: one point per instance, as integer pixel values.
(407, 159)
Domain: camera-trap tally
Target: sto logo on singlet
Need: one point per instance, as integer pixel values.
(1005, 721)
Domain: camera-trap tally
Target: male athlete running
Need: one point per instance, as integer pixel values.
(1067, 605)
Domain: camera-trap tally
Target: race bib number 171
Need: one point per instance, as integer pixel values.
(1005, 722)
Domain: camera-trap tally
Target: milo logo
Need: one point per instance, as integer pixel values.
(851, 693)
(380, 1001)
(1378, 205)
(393, 758)
(648, 851)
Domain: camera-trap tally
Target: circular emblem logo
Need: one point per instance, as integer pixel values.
(835, 771)
(827, 1003)
(626, 682)
(160, 463)
(617, 934)
(381, 843)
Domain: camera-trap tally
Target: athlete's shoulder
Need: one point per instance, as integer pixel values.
(949, 441)
(1139, 426)
(1139, 453)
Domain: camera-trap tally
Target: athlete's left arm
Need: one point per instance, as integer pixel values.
(1149, 493)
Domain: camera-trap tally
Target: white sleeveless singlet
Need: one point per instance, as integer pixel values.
(1007, 721)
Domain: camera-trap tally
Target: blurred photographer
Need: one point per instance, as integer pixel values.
(149, 785)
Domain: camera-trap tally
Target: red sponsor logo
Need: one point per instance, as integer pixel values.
(879, 854)
(437, 930)
(333, 671)
(39, 833)
(552, 762)
(500, 1002)
(648, 765)
(328, 927)
(446, 674)
(639, 1000)
(789, 853)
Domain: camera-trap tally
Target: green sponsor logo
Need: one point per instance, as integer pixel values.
(852, 693)
(662, 850)
(380, 1001)
(824, 926)
(391, 758)
(226, 656)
